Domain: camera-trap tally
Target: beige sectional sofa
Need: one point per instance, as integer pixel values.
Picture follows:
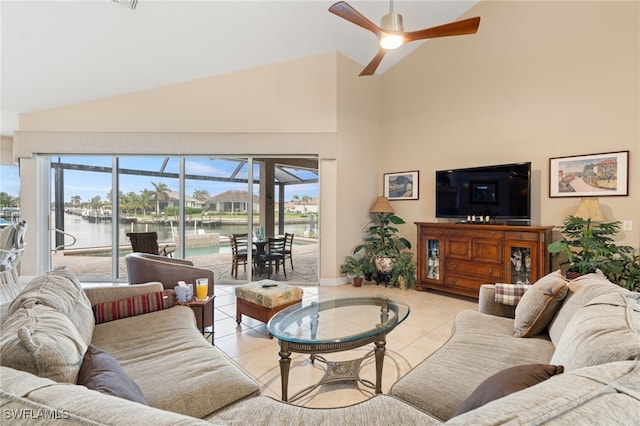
(185, 380)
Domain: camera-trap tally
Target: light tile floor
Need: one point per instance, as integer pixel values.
(426, 329)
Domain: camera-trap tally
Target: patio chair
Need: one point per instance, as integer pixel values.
(11, 249)
(288, 248)
(147, 242)
(239, 243)
(275, 254)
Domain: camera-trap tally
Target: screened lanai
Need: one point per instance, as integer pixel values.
(174, 196)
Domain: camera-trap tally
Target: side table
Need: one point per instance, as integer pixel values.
(200, 307)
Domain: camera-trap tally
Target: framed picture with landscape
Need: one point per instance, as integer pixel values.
(593, 175)
(401, 186)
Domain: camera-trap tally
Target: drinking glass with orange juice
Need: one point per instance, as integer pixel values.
(202, 288)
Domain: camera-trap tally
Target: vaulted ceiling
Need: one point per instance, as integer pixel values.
(58, 53)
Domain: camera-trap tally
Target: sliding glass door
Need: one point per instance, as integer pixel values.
(194, 204)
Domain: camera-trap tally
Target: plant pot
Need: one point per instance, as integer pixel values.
(357, 281)
(384, 264)
(402, 283)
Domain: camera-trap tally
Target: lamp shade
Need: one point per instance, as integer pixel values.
(382, 205)
(589, 208)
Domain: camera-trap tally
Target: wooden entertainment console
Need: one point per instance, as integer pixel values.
(458, 258)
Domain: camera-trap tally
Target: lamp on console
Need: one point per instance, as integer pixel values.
(382, 205)
(589, 208)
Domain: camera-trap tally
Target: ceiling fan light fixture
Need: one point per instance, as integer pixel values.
(391, 41)
(391, 23)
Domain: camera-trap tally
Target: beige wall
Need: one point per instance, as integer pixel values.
(539, 80)
(6, 151)
(290, 108)
(359, 137)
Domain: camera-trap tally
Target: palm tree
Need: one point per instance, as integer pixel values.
(161, 193)
(201, 195)
(75, 200)
(145, 200)
(96, 201)
(5, 199)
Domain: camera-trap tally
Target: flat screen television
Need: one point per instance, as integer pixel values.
(502, 192)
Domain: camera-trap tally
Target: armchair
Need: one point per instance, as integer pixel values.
(144, 267)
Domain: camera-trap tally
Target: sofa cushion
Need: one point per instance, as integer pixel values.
(581, 291)
(379, 410)
(605, 394)
(607, 329)
(71, 401)
(509, 294)
(481, 345)
(165, 347)
(132, 306)
(507, 382)
(100, 371)
(42, 341)
(539, 304)
(60, 290)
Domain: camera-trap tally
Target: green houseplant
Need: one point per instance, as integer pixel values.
(382, 245)
(589, 246)
(354, 267)
(404, 271)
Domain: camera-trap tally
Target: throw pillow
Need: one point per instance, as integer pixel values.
(60, 290)
(507, 382)
(100, 371)
(132, 306)
(539, 304)
(607, 329)
(44, 342)
(509, 294)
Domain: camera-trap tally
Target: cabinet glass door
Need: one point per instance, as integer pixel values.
(522, 261)
(433, 259)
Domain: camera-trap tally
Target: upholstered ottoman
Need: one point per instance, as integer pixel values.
(262, 299)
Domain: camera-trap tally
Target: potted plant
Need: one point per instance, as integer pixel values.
(404, 271)
(382, 245)
(354, 267)
(589, 246)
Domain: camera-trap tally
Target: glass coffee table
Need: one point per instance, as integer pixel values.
(326, 326)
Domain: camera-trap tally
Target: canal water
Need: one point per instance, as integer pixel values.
(90, 235)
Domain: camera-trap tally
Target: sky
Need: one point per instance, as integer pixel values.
(88, 184)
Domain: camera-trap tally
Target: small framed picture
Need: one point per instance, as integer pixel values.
(401, 186)
(593, 175)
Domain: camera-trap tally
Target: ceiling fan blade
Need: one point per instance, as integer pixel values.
(466, 26)
(345, 11)
(373, 65)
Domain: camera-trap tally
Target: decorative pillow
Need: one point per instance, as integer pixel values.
(132, 306)
(509, 294)
(507, 382)
(60, 290)
(582, 290)
(539, 304)
(101, 372)
(44, 342)
(607, 329)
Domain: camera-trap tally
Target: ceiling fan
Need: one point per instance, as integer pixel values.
(391, 32)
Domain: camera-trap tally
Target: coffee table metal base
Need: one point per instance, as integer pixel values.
(336, 371)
